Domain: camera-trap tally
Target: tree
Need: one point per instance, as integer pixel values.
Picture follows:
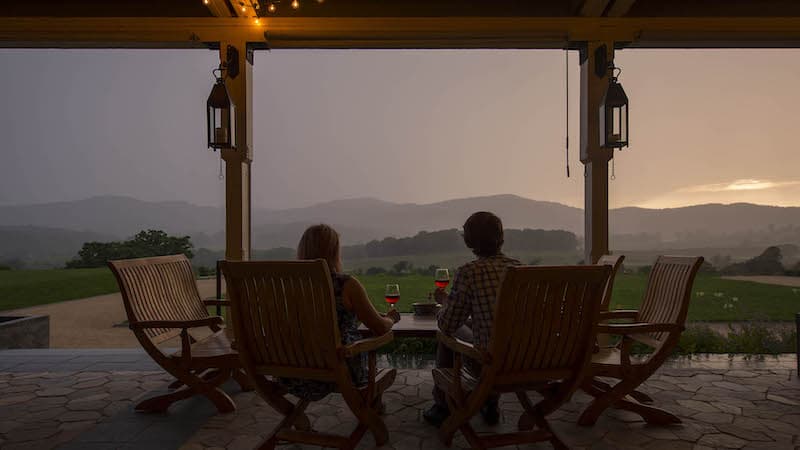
(143, 244)
(767, 263)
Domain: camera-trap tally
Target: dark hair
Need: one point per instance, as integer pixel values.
(483, 233)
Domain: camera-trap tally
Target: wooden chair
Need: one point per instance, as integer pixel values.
(284, 318)
(658, 324)
(162, 302)
(542, 339)
(615, 261)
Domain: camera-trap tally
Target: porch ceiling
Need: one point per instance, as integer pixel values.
(402, 23)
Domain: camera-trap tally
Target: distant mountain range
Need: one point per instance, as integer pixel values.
(363, 219)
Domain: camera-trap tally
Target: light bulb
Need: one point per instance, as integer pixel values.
(244, 8)
(271, 7)
(205, 2)
(295, 4)
(258, 21)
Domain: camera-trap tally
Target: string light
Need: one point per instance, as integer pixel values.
(258, 21)
(205, 2)
(244, 8)
(271, 7)
(295, 4)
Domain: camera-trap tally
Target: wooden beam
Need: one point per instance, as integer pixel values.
(593, 8)
(620, 7)
(594, 158)
(408, 32)
(218, 8)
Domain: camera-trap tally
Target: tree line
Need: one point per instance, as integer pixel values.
(450, 241)
(144, 244)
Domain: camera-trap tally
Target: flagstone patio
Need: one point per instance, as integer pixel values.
(82, 400)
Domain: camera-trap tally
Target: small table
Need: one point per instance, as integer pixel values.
(410, 326)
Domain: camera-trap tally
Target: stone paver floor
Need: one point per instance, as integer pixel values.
(723, 403)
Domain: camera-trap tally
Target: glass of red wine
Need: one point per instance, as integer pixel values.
(442, 278)
(392, 294)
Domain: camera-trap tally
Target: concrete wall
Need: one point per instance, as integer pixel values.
(25, 332)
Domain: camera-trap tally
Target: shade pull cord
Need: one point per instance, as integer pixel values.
(613, 171)
(221, 169)
(566, 121)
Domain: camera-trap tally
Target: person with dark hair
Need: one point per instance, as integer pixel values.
(467, 312)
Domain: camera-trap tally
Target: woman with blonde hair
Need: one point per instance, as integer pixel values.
(352, 308)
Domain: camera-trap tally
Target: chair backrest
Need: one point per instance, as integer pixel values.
(545, 319)
(159, 288)
(284, 317)
(615, 261)
(669, 289)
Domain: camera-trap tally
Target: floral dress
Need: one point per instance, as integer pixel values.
(348, 329)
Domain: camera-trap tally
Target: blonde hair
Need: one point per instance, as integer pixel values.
(321, 242)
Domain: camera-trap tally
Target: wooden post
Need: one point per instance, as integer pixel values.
(237, 161)
(594, 158)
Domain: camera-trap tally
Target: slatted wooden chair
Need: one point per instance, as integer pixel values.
(162, 302)
(542, 339)
(658, 324)
(615, 261)
(284, 318)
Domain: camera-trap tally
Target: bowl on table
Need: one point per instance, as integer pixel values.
(425, 309)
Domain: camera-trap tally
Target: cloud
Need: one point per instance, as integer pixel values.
(740, 185)
(759, 191)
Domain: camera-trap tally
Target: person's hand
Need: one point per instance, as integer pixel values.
(440, 295)
(394, 315)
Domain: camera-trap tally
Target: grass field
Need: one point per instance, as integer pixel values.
(745, 300)
(714, 299)
(23, 288)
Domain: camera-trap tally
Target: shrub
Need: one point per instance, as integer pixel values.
(4, 267)
(644, 270)
(375, 271)
(700, 339)
(205, 271)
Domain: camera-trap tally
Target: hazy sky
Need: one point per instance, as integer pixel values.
(407, 126)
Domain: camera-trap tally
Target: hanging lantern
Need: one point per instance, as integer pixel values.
(221, 115)
(614, 114)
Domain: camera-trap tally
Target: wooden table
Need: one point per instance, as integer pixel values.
(411, 326)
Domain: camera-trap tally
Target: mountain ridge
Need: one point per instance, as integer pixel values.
(362, 219)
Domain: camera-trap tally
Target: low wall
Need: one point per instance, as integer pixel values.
(24, 332)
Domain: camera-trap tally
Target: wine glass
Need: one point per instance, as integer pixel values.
(442, 278)
(392, 294)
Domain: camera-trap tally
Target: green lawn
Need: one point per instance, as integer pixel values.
(23, 288)
(746, 300)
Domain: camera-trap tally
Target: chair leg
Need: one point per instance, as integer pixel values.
(365, 414)
(194, 385)
(242, 380)
(603, 399)
(639, 396)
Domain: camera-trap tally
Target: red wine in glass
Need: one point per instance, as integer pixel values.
(392, 294)
(442, 278)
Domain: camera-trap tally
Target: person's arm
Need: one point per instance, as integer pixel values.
(457, 308)
(356, 300)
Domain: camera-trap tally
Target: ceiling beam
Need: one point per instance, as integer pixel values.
(411, 32)
(593, 8)
(219, 8)
(620, 7)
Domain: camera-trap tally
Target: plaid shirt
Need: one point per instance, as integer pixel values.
(473, 293)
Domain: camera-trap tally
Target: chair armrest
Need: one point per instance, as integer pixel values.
(638, 328)
(367, 344)
(619, 314)
(205, 322)
(216, 302)
(465, 348)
